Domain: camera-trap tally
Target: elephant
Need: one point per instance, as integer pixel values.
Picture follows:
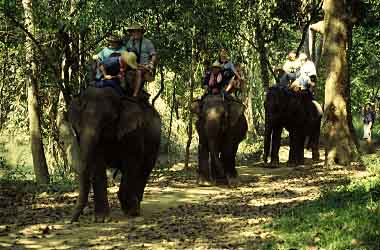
(221, 126)
(300, 115)
(117, 132)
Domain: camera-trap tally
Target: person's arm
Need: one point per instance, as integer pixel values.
(152, 53)
(104, 72)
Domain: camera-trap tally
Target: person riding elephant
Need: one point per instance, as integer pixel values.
(212, 80)
(297, 112)
(221, 126)
(113, 70)
(231, 76)
(114, 48)
(146, 56)
(116, 132)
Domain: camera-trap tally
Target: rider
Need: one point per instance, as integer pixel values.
(229, 71)
(307, 75)
(113, 70)
(146, 56)
(115, 48)
(291, 66)
(213, 79)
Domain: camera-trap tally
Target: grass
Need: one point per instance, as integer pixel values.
(345, 218)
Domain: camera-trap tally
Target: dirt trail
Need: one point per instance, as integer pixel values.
(177, 214)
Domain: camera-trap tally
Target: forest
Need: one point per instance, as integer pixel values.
(83, 166)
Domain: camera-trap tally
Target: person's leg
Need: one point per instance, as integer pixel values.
(138, 81)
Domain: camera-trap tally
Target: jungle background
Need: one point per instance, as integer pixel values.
(45, 49)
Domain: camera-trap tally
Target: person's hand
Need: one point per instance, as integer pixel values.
(107, 77)
(95, 57)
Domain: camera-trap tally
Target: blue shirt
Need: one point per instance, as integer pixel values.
(104, 54)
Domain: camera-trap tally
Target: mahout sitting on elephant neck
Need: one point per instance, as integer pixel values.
(119, 133)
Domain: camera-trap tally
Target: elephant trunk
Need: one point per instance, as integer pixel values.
(88, 140)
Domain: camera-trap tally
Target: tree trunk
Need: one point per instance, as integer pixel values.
(341, 146)
(38, 154)
(263, 60)
(190, 124)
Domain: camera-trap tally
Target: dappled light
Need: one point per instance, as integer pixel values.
(203, 125)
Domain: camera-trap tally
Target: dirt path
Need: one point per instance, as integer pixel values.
(177, 214)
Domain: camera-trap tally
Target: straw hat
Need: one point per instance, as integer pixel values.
(302, 56)
(113, 38)
(136, 27)
(216, 64)
(130, 59)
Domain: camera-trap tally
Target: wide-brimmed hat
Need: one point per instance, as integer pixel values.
(136, 27)
(302, 56)
(130, 59)
(113, 38)
(216, 64)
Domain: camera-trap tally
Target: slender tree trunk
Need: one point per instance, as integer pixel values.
(39, 160)
(341, 146)
(171, 115)
(263, 60)
(190, 123)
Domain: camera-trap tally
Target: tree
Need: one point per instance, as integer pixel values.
(39, 160)
(341, 147)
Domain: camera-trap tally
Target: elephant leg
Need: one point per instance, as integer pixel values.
(314, 140)
(84, 189)
(102, 208)
(129, 186)
(204, 177)
(228, 158)
(216, 163)
(267, 139)
(292, 149)
(276, 143)
(121, 194)
(300, 143)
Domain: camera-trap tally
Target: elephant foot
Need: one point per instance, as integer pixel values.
(77, 213)
(133, 212)
(232, 181)
(221, 181)
(315, 156)
(101, 218)
(273, 164)
(204, 182)
(291, 164)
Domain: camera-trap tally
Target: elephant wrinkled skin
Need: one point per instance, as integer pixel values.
(117, 133)
(221, 126)
(297, 113)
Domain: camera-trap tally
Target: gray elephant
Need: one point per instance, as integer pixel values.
(115, 132)
(221, 126)
(300, 115)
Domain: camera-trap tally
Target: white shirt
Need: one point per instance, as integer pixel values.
(308, 69)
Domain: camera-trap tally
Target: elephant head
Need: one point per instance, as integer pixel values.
(218, 113)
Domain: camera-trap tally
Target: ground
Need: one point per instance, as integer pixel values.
(176, 213)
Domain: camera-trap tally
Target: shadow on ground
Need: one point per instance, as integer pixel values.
(176, 213)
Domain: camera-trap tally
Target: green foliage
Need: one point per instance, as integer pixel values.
(346, 218)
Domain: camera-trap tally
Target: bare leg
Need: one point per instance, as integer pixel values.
(137, 85)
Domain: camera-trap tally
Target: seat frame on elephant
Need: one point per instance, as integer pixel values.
(115, 132)
(221, 126)
(297, 113)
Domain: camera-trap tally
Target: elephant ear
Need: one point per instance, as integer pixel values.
(196, 107)
(131, 118)
(74, 113)
(236, 110)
